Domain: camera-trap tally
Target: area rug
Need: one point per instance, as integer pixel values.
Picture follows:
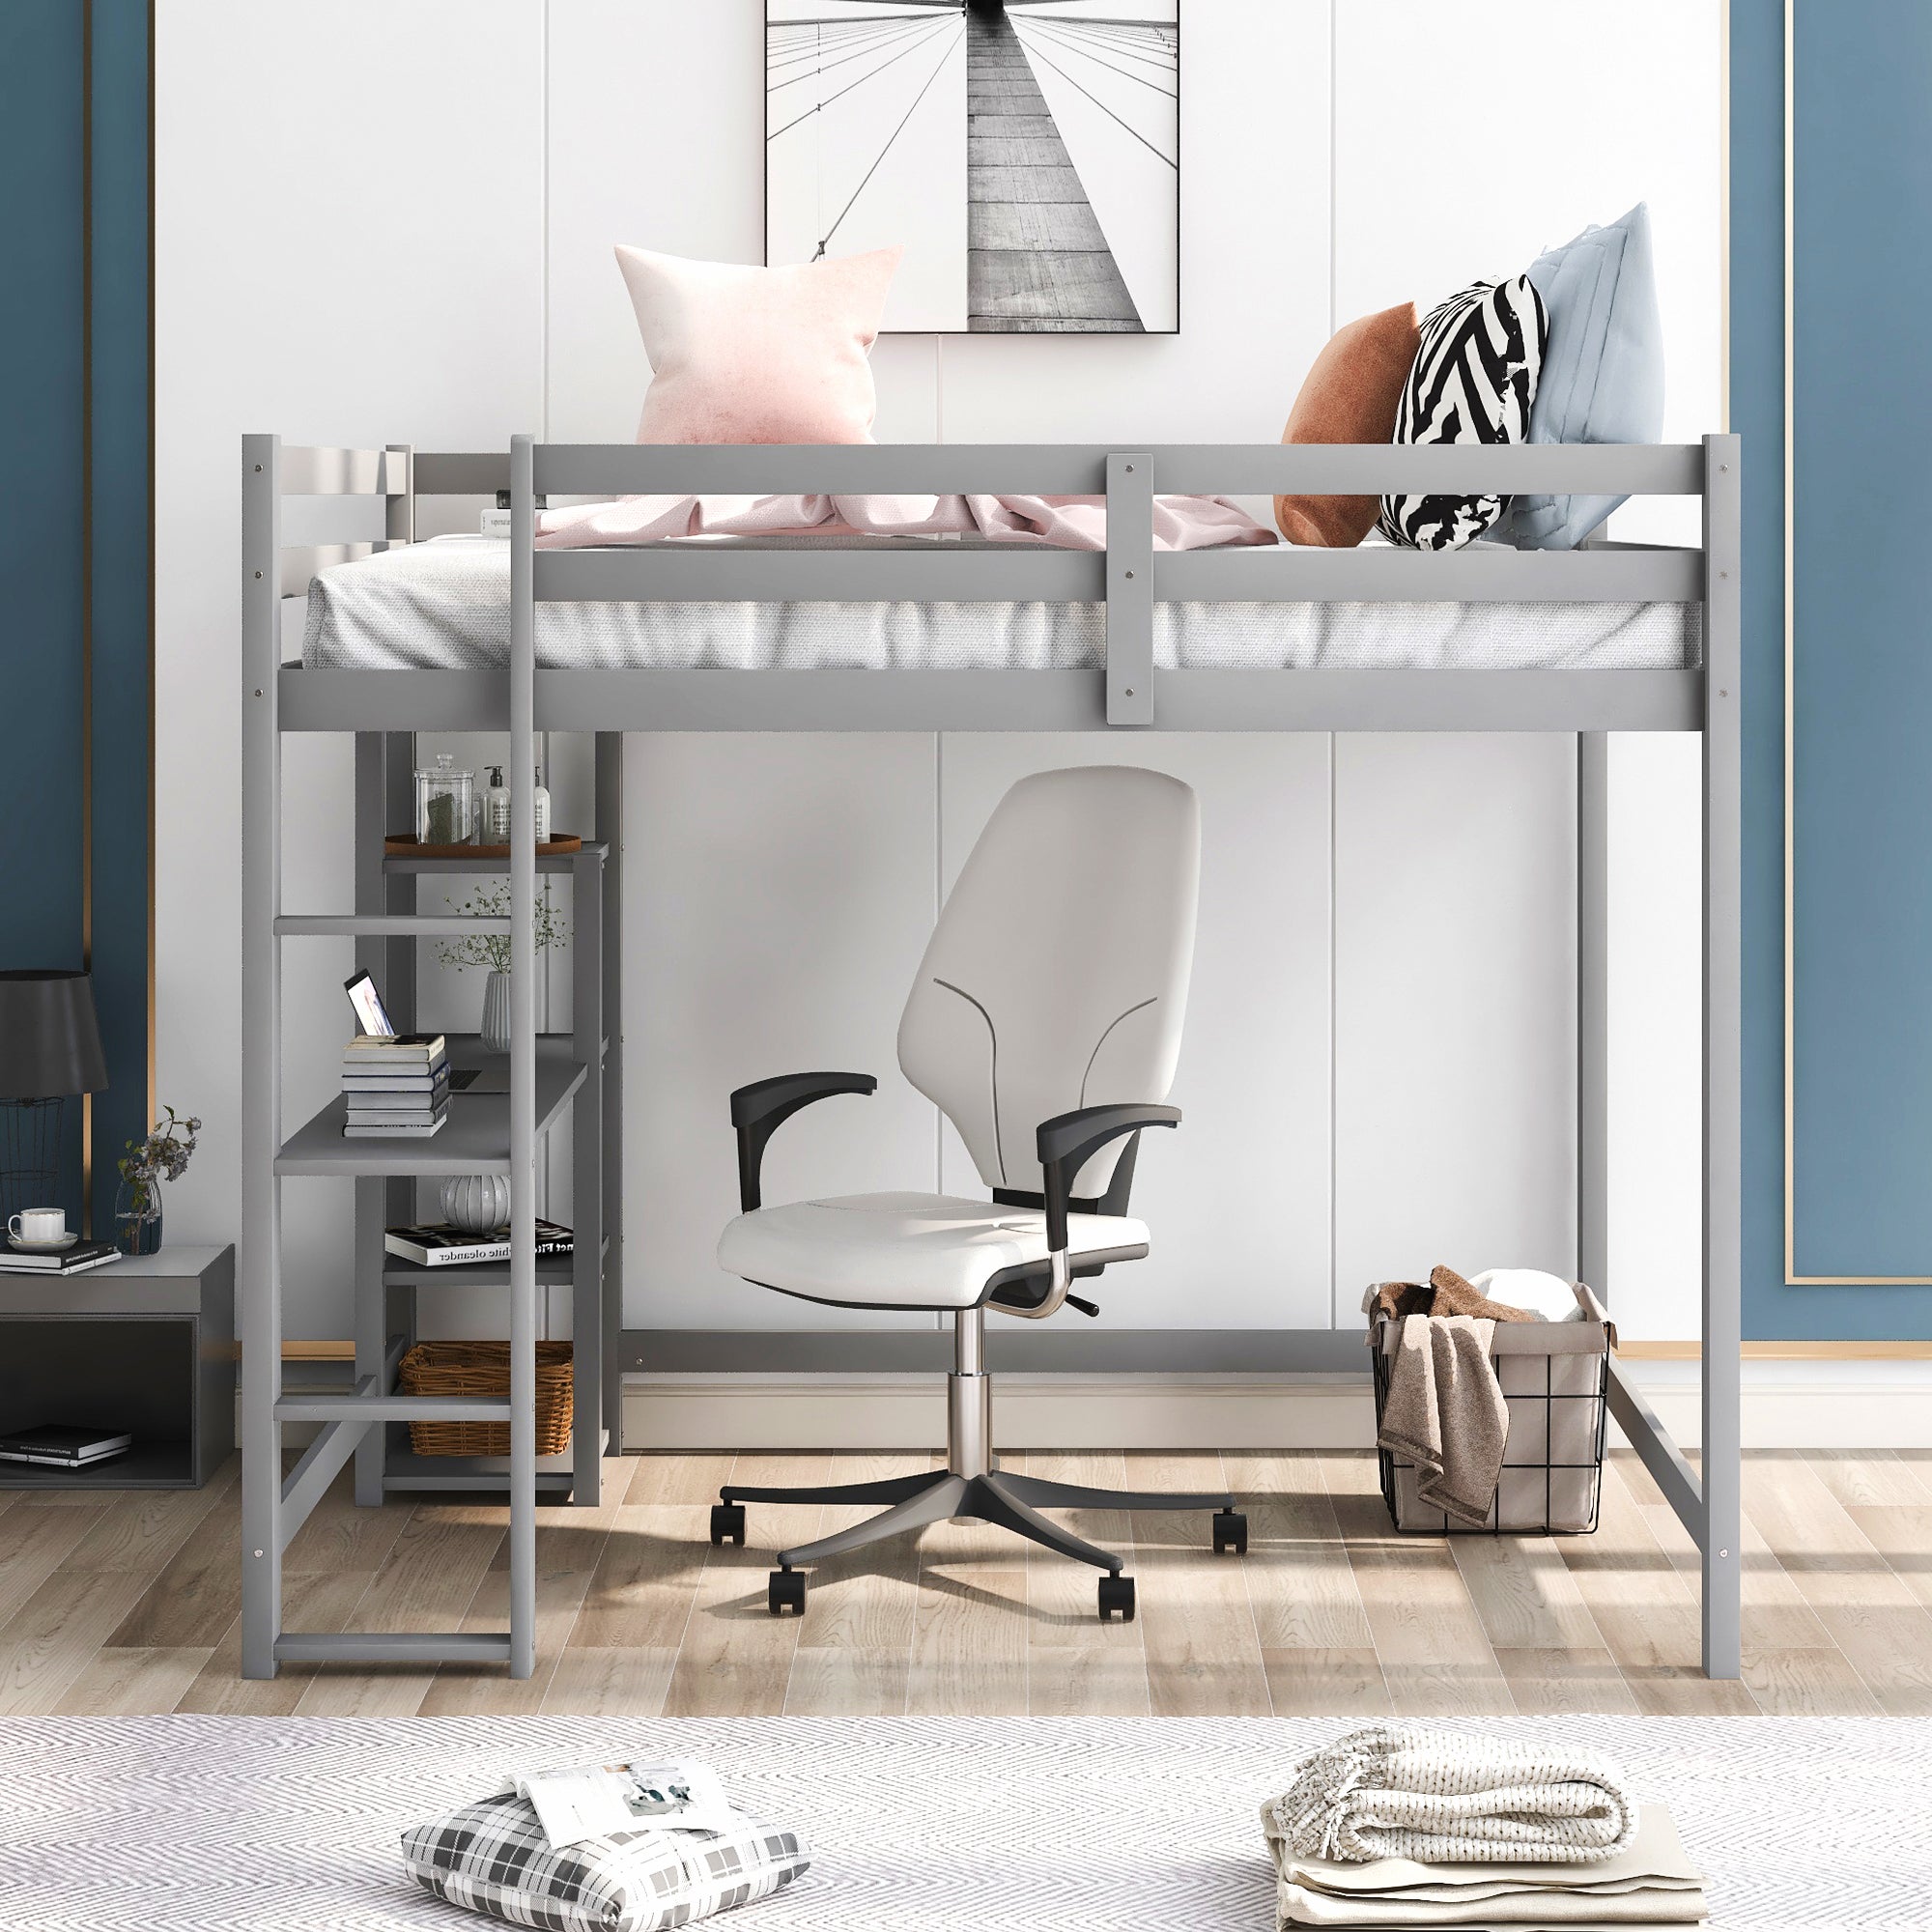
(917, 1825)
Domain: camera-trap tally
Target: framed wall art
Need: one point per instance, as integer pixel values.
(1026, 153)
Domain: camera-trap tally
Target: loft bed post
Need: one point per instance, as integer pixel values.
(523, 1063)
(611, 834)
(586, 1184)
(261, 1055)
(399, 993)
(370, 1327)
(1130, 589)
(1723, 912)
(1593, 1030)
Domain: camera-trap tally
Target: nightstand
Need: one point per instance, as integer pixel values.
(146, 1344)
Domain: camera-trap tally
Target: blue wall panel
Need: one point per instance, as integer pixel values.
(1861, 808)
(42, 617)
(120, 574)
(74, 541)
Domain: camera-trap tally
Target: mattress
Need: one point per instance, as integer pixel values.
(444, 605)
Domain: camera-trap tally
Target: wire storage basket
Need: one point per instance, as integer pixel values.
(483, 1369)
(1555, 1379)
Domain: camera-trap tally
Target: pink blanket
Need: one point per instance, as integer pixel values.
(1065, 522)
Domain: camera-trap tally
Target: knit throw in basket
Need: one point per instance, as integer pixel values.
(483, 1369)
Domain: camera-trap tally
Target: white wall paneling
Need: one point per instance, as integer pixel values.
(1238, 1196)
(779, 892)
(401, 230)
(1656, 1025)
(1570, 115)
(1455, 1007)
(348, 224)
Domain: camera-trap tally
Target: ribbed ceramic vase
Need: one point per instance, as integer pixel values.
(496, 1029)
(477, 1203)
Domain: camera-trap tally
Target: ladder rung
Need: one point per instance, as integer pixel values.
(383, 924)
(392, 1408)
(393, 1647)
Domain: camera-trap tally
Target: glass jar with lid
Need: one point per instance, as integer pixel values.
(444, 803)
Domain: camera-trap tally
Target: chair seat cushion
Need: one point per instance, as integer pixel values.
(907, 1250)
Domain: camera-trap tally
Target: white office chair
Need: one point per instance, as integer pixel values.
(1046, 1022)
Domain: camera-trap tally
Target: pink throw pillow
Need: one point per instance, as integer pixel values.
(759, 355)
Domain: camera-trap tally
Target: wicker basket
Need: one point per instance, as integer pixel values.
(483, 1367)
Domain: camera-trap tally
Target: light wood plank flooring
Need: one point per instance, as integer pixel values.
(128, 1603)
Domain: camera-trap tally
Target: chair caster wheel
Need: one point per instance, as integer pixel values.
(785, 1592)
(1116, 1594)
(728, 1523)
(1230, 1532)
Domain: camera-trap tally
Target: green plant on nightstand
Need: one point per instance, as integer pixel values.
(491, 950)
(161, 1154)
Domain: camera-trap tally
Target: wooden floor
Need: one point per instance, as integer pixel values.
(128, 1603)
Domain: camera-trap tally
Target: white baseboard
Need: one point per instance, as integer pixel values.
(1787, 1404)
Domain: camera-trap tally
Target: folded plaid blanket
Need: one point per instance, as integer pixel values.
(1399, 1791)
(493, 1857)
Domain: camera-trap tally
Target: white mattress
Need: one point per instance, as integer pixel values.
(445, 606)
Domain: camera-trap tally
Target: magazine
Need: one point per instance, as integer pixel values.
(437, 1244)
(591, 1800)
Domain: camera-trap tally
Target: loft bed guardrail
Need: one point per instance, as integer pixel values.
(1127, 694)
(1129, 576)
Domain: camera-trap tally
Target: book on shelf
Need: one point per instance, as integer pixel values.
(369, 1050)
(63, 1445)
(437, 1244)
(396, 1080)
(416, 1127)
(76, 1259)
(382, 1101)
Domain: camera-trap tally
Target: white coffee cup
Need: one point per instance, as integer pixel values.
(38, 1224)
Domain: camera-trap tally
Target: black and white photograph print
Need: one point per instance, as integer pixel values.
(1025, 153)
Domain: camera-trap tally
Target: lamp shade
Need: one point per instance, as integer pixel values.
(50, 1039)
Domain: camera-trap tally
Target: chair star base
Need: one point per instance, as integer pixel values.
(1012, 1501)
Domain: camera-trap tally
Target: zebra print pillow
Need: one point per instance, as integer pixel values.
(1474, 381)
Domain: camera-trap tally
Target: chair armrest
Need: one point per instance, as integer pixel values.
(1068, 1140)
(759, 1110)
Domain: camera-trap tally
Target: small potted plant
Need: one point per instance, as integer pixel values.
(161, 1155)
(492, 950)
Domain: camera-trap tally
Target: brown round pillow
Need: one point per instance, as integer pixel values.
(1351, 395)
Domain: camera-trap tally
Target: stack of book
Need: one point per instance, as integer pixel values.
(59, 1445)
(74, 1259)
(396, 1084)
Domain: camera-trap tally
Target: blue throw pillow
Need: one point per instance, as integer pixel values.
(1602, 372)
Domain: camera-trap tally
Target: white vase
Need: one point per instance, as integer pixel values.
(478, 1204)
(497, 1014)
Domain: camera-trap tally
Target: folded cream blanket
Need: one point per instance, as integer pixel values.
(1651, 1881)
(1443, 1796)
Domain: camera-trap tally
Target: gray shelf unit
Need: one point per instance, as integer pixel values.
(1126, 695)
(550, 1077)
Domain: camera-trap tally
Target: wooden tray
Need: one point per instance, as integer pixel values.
(404, 845)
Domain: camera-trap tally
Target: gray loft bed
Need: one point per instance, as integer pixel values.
(1126, 693)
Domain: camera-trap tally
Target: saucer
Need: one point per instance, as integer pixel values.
(58, 1246)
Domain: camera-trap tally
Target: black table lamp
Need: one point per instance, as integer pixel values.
(50, 1047)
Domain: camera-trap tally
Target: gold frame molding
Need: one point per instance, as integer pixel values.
(1792, 1278)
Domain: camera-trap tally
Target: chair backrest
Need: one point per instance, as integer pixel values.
(1057, 976)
